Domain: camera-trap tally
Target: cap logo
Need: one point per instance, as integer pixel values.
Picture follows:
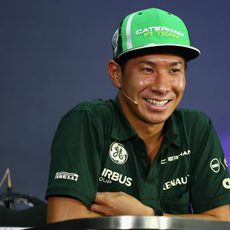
(160, 30)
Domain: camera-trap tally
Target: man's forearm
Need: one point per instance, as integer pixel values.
(221, 213)
(120, 203)
(60, 209)
(198, 216)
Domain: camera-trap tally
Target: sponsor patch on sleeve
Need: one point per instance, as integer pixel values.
(66, 176)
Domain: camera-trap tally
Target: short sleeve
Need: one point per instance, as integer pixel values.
(210, 182)
(75, 158)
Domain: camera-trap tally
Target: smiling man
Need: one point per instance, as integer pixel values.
(139, 154)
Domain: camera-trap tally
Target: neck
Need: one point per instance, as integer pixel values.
(152, 137)
(151, 134)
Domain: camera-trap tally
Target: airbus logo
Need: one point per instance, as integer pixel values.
(108, 176)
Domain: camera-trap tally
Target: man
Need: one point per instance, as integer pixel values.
(139, 154)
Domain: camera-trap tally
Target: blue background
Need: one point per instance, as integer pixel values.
(53, 54)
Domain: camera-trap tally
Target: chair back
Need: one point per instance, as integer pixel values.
(21, 210)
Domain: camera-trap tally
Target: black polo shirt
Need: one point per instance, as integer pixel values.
(96, 149)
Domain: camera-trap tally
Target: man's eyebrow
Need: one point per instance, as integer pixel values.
(153, 63)
(176, 63)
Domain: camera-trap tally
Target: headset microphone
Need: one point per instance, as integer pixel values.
(135, 102)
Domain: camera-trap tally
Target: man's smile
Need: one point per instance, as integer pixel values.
(155, 102)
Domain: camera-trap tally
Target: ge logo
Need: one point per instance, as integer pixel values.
(226, 183)
(117, 153)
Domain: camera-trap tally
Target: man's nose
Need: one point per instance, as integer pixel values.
(161, 83)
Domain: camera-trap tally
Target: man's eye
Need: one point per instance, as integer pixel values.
(147, 70)
(174, 70)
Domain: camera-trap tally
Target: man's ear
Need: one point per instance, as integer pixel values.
(115, 73)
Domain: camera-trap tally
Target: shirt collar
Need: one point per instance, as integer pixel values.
(171, 131)
(122, 130)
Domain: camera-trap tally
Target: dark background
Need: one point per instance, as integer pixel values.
(53, 54)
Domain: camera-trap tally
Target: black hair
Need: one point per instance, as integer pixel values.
(124, 58)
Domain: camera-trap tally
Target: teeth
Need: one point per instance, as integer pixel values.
(157, 103)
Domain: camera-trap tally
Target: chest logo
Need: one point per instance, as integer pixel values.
(118, 153)
(226, 183)
(215, 165)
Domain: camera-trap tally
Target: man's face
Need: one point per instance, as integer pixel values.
(156, 82)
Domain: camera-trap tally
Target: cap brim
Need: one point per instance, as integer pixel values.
(187, 52)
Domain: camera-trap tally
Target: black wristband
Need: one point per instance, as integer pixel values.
(158, 212)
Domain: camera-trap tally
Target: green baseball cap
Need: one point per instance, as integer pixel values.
(152, 28)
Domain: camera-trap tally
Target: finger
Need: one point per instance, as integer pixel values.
(102, 197)
(99, 197)
(106, 194)
(94, 207)
(97, 208)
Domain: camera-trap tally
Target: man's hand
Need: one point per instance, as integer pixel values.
(115, 204)
(119, 203)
